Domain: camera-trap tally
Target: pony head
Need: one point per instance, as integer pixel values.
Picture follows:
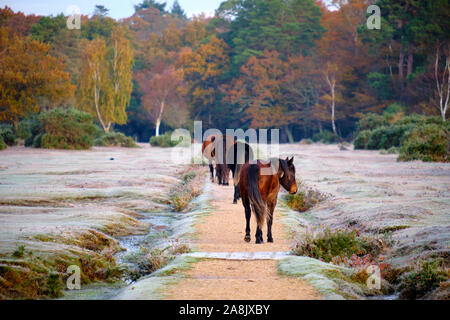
(286, 175)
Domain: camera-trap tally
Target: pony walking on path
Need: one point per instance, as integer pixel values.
(259, 186)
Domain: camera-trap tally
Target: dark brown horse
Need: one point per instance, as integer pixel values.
(259, 186)
(221, 144)
(238, 155)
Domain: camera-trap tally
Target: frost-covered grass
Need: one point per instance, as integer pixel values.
(151, 287)
(61, 208)
(329, 279)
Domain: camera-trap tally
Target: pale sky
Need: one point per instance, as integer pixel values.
(117, 8)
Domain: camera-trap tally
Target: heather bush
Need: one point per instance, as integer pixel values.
(327, 245)
(426, 276)
(305, 199)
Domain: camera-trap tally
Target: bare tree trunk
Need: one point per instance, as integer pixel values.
(159, 119)
(97, 109)
(332, 84)
(158, 125)
(401, 62)
(289, 134)
(443, 86)
(410, 62)
(333, 116)
(388, 63)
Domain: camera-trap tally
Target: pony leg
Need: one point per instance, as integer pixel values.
(269, 229)
(248, 215)
(211, 169)
(236, 194)
(259, 236)
(269, 224)
(218, 175)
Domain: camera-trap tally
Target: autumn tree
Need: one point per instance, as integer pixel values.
(30, 78)
(289, 27)
(259, 91)
(64, 43)
(106, 78)
(195, 31)
(302, 89)
(343, 64)
(17, 22)
(163, 96)
(203, 69)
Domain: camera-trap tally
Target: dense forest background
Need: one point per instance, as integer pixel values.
(297, 65)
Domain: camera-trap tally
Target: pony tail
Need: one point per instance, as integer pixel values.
(256, 201)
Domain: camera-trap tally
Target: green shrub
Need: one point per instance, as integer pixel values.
(165, 141)
(3, 145)
(416, 119)
(362, 139)
(327, 244)
(66, 129)
(425, 278)
(8, 135)
(19, 252)
(28, 129)
(115, 139)
(36, 141)
(326, 137)
(387, 137)
(392, 150)
(429, 143)
(371, 121)
(394, 108)
(304, 200)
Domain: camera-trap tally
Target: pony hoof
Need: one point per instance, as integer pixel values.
(259, 242)
(270, 240)
(235, 202)
(248, 239)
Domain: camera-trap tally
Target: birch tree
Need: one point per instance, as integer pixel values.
(106, 78)
(162, 95)
(442, 77)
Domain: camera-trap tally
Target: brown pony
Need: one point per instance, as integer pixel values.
(239, 154)
(221, 144)
(259, 192)
(209, 153)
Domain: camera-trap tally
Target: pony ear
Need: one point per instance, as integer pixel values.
(283, 164)
(291, 161)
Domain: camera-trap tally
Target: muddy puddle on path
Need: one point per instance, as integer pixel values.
(168, 227)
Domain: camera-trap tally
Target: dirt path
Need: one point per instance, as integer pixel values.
(214, 279)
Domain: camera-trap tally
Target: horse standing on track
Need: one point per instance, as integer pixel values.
(239, 154)
(209, 153)
(259, 192)
(222, 144)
